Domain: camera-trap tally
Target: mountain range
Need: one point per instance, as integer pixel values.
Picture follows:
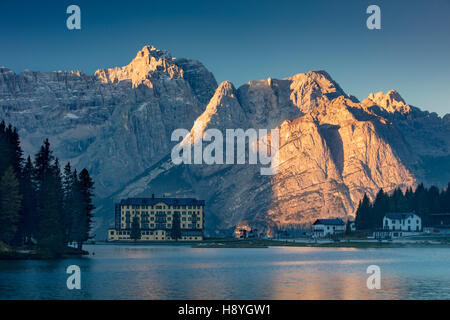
(334, 148)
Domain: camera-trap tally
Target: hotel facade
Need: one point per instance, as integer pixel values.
(156, 219)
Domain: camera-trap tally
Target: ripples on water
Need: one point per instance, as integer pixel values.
(177, 272)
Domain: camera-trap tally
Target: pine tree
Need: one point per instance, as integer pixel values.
(85, 208)
(380, 207)
(69, 205)
(434, 199)
(28, 214)
(10, 203)
(421, 202)
(5, 149)
(135, 229)
(15, 151)
(363, 213)
(446, 200)
(47, 175)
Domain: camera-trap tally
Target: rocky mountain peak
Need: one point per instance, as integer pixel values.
(309, 90)
(149, 63)
(151, 51)
(226, 88)
(392, 101)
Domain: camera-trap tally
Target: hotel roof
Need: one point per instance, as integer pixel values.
(168, 201)
(330, 222)
(399, 215)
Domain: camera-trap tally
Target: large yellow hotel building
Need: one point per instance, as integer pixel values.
(156, 216)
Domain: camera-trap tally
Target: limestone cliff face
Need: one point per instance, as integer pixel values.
(115, 123)
(333, 149)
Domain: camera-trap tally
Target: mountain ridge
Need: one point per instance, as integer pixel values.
(333, 148)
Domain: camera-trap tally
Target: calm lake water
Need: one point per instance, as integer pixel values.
(181, 272)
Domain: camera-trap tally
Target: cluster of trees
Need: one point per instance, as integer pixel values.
(423, 201)
(39, 204)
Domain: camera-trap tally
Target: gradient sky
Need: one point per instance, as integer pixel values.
(246, 40)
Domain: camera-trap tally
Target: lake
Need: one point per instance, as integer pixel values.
(182, 272)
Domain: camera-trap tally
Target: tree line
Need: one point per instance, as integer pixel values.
(40, 205)
(423, 201)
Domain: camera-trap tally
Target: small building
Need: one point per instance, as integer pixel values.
(405, 222)
(158, 218)
(399, 224)
(328, 227)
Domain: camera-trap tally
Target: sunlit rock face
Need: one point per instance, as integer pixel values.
(115, 123)
(332, 149)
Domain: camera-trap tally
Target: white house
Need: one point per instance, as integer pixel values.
(396, 225)
(405, 222)
(326, 227)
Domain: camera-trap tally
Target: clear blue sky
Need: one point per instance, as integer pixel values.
(246, 40)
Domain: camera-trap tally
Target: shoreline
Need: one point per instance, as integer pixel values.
(267, 243)
(35, 254)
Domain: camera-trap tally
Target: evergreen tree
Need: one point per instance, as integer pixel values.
(28, 218)
(176, 227)
(135, 233)
(380, 207)
(69, 204)
(49, 200)
(363, 213)
(434, 200)
(5, 150)
(421, 202)
(85, 208)
(16, 152)
(445, 206)
(10, 203)
(37, 202)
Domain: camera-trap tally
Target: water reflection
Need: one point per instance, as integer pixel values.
(174, 272)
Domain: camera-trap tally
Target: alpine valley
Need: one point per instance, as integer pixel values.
(118, 123)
